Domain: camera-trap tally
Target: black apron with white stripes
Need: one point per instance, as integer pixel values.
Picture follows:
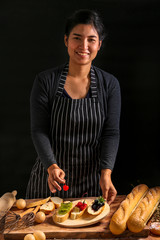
(76, 126)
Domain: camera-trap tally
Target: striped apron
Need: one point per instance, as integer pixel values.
(76, 126)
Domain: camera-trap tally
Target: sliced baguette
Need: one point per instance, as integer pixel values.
(61, 218)
(36, 203)
(57, 201)
(47, 207)
(75, 215)
(92, 212)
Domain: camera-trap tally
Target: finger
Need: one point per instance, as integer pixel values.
(112, 196)
(51, 187)
(57, 186)
(111, 199)
(54, 179)
(105, 194)
(59, 179)
(62, 176)
(59, 176)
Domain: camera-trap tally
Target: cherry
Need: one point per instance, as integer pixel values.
(81, 205)
(65, 187)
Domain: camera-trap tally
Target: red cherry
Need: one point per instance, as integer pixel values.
(79, 204)
(65, 187)
(82, 207)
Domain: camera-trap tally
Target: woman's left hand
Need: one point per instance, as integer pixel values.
(108, 189)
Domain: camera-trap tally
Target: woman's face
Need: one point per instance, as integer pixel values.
(83, 44)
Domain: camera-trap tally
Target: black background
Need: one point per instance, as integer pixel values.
(31, 40)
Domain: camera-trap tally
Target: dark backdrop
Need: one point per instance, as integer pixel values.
(31, 40)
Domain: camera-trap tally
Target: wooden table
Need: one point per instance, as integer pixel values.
(99, 230)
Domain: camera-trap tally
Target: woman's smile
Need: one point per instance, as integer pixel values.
(82, 55)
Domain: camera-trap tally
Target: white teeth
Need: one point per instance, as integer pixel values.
(83, 54)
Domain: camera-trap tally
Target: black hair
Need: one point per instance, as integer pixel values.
(86, 16)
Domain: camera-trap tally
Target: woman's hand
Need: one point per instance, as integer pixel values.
(55, 175)
(108, 189)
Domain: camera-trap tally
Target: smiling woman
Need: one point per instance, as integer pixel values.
(83, 45)
(75, 112)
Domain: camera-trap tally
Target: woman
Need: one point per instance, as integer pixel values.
(75, 112)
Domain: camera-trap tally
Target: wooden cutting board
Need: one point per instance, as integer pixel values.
(95, 231)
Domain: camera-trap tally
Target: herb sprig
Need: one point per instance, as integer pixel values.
(101, 199)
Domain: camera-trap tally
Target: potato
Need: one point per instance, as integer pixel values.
(39, 235)
(21, 203)
(40, 217)
(29, 237)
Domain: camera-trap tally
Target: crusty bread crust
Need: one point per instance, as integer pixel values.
(61, 218)
(57, 201)
(47, 207)
(120, 217)
(144, 211)
(37, 203)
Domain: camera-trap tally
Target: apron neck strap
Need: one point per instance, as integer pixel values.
(93, 85)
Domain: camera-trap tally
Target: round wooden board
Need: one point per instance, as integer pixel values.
(86, 219)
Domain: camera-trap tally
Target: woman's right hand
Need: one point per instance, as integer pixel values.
(55, 175)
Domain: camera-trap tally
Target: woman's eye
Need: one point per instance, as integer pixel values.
(77, 38)
(91, 40)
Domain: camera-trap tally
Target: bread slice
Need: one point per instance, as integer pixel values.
(57, 217)
(92, 212)
(47, 207)
(60, 218)
(76, 212)
(57, 201)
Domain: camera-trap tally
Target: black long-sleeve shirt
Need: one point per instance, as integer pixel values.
(42, 95)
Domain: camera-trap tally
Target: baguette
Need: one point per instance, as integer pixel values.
(59, 216)
(47, 207)
(144, 211)
(57, 201)
(37, 203)
(118, 222)
(77, 212)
